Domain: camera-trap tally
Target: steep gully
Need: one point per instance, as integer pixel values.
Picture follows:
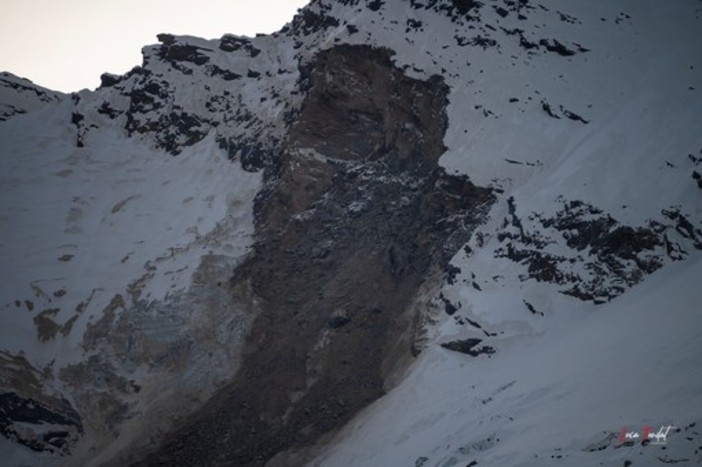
(356, 216)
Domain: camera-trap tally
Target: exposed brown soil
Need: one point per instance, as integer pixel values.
(353, 221)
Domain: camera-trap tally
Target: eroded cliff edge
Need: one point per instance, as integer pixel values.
(355, 217)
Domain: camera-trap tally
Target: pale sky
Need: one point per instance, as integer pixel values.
(67, 44)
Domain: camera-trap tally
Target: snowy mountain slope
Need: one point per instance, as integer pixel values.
(123, 223)
(89, 233)
(19, 95)
(641, 101)
(556, 393)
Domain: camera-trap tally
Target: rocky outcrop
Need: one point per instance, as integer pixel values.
(469, 347)
(32, 414)
(603, 257)
(354, 219)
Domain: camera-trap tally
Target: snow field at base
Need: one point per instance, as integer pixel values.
(629, 363)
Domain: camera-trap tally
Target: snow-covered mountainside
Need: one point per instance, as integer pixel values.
(19, 95)
(399, 232)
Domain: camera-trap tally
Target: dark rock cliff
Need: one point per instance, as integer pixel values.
(354, 218)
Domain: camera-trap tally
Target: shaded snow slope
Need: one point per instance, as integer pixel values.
(19, 95)
(113, 260)
(556, 393)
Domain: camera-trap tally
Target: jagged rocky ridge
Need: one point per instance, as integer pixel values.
(18, 96)
(344, 115)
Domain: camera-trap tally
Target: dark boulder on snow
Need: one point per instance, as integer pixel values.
(469, 347)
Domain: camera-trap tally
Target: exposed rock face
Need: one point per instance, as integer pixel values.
(355, 218)
(613, 256)
(30, 414)
(469, 347)
(138, 287)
